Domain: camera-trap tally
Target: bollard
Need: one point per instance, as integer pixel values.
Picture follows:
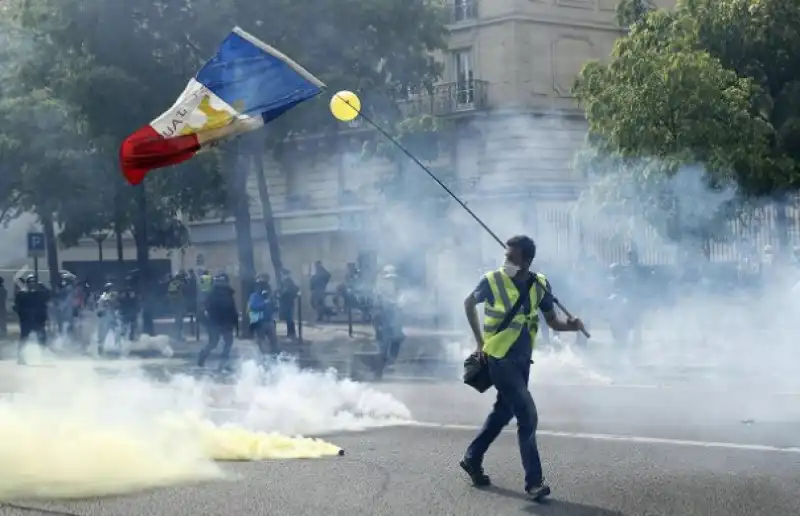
(350, 320)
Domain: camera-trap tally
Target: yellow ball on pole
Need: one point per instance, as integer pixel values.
(345, 106)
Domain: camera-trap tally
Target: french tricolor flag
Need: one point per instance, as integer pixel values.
(244, 86)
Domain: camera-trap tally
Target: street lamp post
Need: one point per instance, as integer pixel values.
(100, 237)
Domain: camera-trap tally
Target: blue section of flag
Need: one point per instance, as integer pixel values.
(248, 73)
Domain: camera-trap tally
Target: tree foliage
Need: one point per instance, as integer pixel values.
(632, 11)
(115, 76)
(712, 84)
(118, 64)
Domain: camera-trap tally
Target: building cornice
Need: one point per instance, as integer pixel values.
(469, 25)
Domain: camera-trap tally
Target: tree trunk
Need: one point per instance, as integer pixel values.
(120, 248)
(240, 206)
(52, 248)
(268, 219)
(118, 235)
(143, 261)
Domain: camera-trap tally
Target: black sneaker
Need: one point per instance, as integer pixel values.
(476, 474)
(538, 492)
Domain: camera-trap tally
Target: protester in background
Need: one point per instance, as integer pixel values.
(3, 310)
(318, 286)
(66, 302)
(261, 312)
(108, 317)
(30, 303)
(288, 297)
(387, 321)
(223, 319)
(190, 297)
(129, 307)
(177, 303)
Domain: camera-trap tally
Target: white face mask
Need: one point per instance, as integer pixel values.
(510, 269)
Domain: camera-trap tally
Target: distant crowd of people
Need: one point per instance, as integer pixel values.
(43, 312)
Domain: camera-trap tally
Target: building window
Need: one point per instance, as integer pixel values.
(464, 10)
(465, 89)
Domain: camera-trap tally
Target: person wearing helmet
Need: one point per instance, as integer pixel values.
(204, 285)
(386, 318)
(108, 320)
(261, 314)
(63, 301)
(512, 296)
(30, 304)
(222, 318)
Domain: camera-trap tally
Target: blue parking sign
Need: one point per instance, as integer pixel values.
(36, 245)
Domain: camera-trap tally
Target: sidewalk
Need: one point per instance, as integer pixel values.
(323, 344)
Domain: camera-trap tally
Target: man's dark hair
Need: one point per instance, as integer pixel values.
(526, 246)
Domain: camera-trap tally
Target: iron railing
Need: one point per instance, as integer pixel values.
(448, 99)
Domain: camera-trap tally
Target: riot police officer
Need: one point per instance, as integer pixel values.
(30, 303)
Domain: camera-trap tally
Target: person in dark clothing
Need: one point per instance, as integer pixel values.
(222, 319)
(30, 303)
(318, 285)
(288, 297)
(3, 310)
(190, 299)
(129, 307)
(508, 357)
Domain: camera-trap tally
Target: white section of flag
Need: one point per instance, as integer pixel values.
(185, 111)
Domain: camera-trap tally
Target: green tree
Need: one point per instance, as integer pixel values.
(44, 162)
(120, 64)
(710, 83)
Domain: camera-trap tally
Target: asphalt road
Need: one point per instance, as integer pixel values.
(684, 449)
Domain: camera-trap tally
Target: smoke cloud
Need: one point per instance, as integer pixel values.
(711, 309)
(74, 429)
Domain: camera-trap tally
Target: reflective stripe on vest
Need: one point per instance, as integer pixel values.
(505, 294)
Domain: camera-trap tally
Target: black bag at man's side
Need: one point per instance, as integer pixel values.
(476, 373)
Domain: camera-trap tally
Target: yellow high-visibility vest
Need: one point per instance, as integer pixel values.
(205, 283)
(505, 294)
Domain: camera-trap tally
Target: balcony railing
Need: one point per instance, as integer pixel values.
(448, 99)
(462, 10)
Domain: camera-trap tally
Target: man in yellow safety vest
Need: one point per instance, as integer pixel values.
(508, 354)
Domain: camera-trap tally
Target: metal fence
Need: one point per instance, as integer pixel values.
(563, 235)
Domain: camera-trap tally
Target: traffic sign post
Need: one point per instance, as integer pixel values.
(36, 250)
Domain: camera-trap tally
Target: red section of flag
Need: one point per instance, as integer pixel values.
(146, 150)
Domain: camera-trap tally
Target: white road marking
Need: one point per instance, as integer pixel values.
(434, 379)
(600, 385)
(631, 439)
